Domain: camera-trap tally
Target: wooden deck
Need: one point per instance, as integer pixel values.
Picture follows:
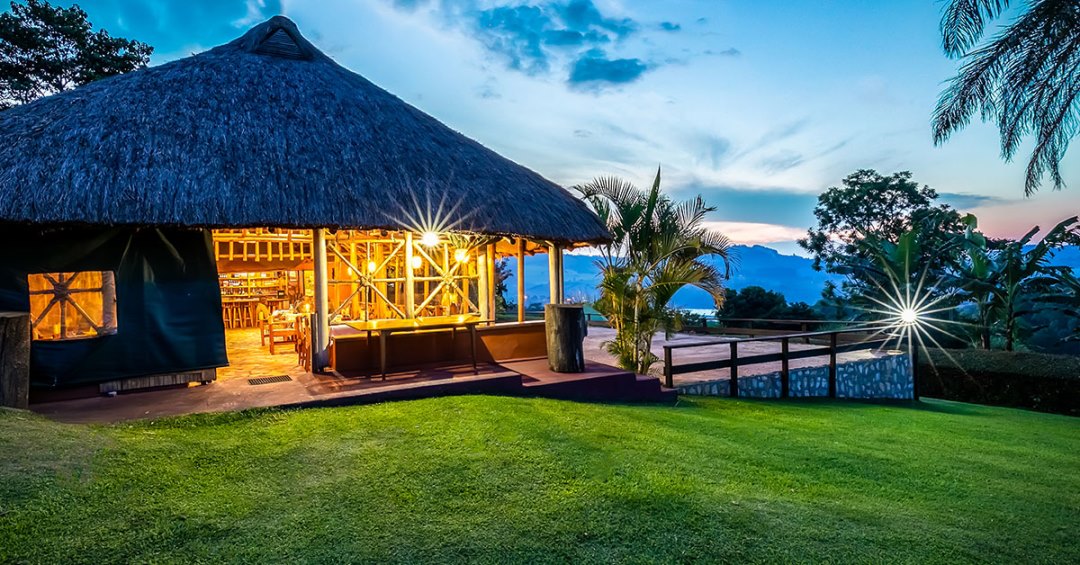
(527, 377)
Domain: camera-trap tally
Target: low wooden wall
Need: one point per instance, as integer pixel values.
(499, 342)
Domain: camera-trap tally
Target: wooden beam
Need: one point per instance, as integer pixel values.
(491, 282)
(321, 329)
(555, 276)
(410, 282)
(482, 282)
(521, 279)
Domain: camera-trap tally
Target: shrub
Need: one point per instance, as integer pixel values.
(1048, 383)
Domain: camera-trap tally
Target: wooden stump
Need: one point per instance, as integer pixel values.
(15, 359)
(565, 328)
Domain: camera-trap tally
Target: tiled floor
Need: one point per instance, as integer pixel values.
(248, 358)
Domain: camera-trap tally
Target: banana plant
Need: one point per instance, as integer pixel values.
(998, 279)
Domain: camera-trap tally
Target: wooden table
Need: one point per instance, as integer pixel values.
(385, 328)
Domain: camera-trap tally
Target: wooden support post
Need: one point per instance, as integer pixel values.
(785, 370)
(832, 365)
(378, 307)
(15, 359)
(482, 282)
(491, 282)
(914, 352)
(565, 331)
(669, 376)
(521, 279)
(734, 369)
(410, 282)
(321, 330)
(354, 288)
(555, 282)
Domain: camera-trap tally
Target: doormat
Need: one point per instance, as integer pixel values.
(269, 380)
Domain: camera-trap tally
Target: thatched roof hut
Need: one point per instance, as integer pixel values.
(265, 130)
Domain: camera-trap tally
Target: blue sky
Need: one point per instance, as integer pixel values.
(757, 105)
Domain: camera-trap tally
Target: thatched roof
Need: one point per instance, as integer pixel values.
(265, 130)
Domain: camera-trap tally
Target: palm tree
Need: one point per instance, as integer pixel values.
(1026, 79)
(658, 247)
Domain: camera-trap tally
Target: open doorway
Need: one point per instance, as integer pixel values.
(265, 281)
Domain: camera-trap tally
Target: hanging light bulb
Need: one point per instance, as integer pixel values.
(429, 239)
(417, 262)
(371, 266)
(461, 255)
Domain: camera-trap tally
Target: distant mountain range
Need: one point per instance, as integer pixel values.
(755, 265)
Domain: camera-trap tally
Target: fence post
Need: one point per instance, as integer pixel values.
(734, 369)
(785, 375)
(832, 365)
(914, 370)
(669, 379)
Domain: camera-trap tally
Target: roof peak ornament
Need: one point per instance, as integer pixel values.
(277, 37)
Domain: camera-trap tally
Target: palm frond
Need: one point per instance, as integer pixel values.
(965, 21)
(1026, 79)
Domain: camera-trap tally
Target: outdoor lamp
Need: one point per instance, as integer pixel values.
(371, 266)
(909, 316)
(417, 262)
(429, 239)
(461, 255)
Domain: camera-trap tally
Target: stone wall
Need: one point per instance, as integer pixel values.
(886, 376)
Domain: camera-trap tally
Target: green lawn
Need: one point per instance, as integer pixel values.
(504, 479)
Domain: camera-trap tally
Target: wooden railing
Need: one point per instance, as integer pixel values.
(837, 341)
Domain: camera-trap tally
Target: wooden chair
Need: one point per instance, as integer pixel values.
(280, 332)
(303, 342)
(262, 316)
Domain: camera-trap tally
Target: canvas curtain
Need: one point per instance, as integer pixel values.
(168, 303)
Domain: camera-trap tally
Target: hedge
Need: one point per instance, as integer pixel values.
(1039, 381)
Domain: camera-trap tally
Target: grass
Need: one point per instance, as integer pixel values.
(503, 479)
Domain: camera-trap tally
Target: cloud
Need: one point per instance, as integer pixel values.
(754, 233)
(781, 162)
(964, 201)
(594, 69)
(516, 32)
(716, 149)
(529, 36)
(542, 37)
(729, 52)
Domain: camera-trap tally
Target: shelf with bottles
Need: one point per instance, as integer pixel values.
(253, 286)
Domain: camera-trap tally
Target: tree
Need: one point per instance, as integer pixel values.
(1026, 78)
(1002, 279)
(871, 206)
(757, 303)
(753, 302)
(502, 272)
(658, 247)
(899, 271)
(46, 49)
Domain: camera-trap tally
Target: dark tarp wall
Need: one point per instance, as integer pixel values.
(168, 303)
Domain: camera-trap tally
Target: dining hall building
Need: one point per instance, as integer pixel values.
(259, 195)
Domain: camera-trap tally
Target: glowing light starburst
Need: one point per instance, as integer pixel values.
(908, 311)
(433, 217)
